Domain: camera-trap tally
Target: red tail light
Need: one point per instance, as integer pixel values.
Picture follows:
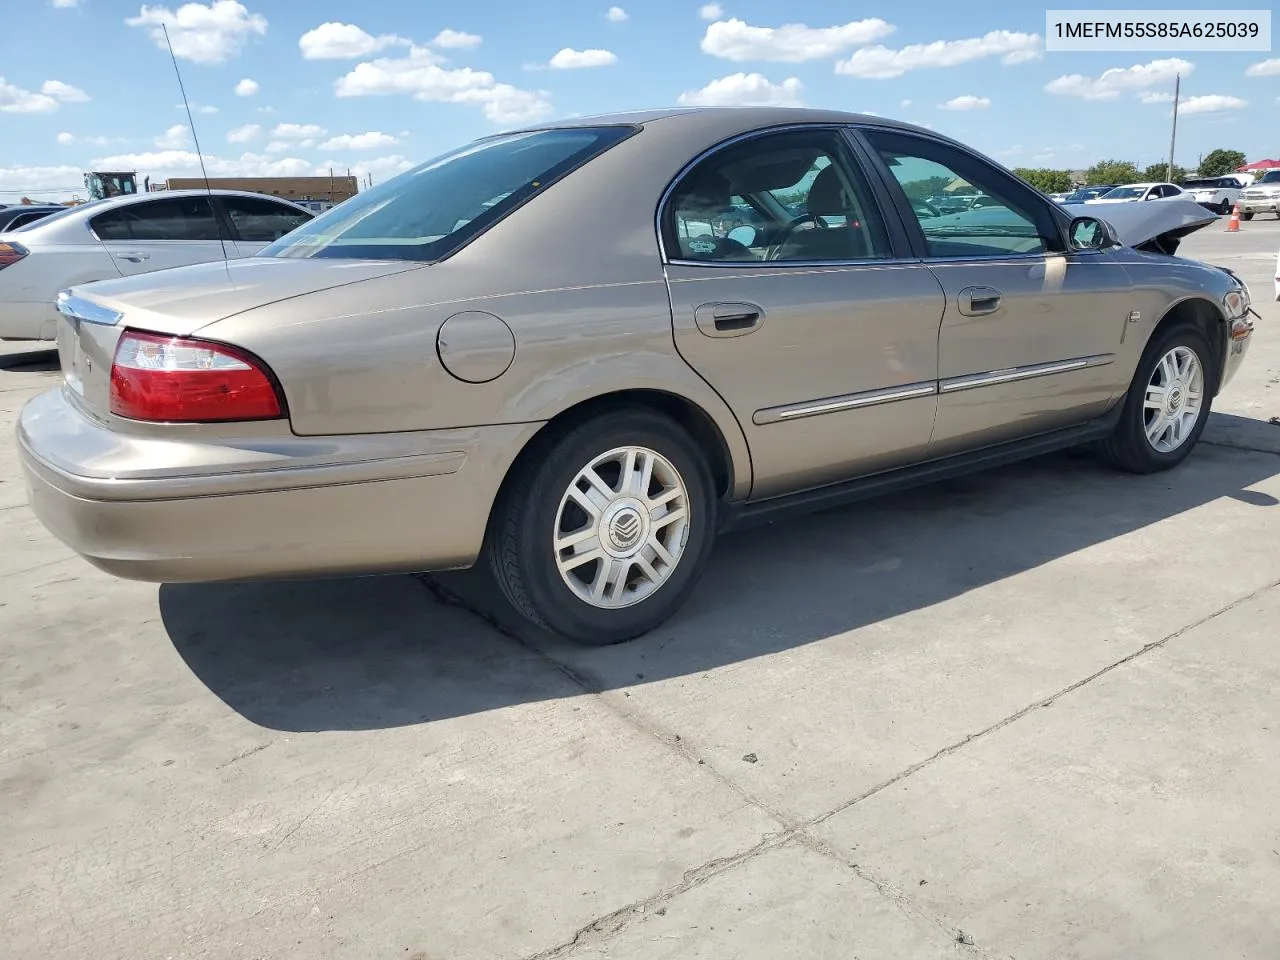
(175, 379)
(11, 253)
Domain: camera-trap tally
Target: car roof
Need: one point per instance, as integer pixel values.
(125, 200)
(732, 119)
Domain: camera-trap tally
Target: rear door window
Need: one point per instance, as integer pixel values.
(428, 212)
(260, 220)
(173, 218)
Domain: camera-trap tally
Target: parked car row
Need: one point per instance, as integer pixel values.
(427, 377)
(1219, 194)
(126, 235)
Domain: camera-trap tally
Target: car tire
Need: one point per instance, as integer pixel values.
(1248, 215)
(647, 558)
(1176, 366)
(1224, 209)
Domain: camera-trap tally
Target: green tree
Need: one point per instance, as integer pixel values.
(1218, 163)
(1111, 171)
(1045, 180)
(1156, 172)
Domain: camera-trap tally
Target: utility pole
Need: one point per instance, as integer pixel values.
(1173, 137)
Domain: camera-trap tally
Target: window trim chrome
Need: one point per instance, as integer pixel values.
(848, 401)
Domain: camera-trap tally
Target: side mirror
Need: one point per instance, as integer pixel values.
(1090, 233)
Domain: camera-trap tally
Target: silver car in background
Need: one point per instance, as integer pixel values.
(577, 352)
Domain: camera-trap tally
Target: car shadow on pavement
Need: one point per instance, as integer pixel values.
(43, 360)
(382, 652)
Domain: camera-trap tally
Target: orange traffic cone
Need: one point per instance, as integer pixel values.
(1233, 225)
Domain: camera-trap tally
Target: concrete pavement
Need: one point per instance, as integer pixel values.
(1030, 713)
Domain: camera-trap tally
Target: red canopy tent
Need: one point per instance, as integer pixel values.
(1259, 165)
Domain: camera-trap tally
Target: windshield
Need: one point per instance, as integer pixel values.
(1271, 176)
(428, 212)
(1124, 193)
(1202, 184)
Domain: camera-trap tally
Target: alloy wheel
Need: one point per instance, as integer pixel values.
(621, 527)
(1174, 398)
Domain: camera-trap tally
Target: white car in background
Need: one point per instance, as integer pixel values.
(1218, 194)
(1133, 192)
(119, 236)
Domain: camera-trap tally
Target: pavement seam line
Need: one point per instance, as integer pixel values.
(606, 927)
(1238, 446)
(1039, 704)
(893, 894)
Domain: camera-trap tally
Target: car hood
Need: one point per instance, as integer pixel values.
(1155, 225)
(181, 300)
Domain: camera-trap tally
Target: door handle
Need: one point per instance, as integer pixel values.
(979, 301)
(133, 256)
(728, 319)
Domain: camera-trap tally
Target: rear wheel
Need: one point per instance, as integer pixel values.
(1248, 215)
(1167, 405)
(1224, 208)
(605, 530)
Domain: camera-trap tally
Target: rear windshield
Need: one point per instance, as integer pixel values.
(430, 211)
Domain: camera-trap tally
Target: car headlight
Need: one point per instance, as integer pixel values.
(1236, 302)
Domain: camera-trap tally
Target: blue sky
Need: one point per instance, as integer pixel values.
(294, 87)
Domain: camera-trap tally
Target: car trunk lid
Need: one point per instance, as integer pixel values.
(180, 302)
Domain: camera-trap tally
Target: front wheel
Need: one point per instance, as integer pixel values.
(1167, 405)
(1248, 215)
(603, 531)
(1224, 208)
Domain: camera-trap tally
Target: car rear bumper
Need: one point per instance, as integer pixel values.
(28, 320)
(271, 507)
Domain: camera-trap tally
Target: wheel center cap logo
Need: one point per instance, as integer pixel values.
(1175, 398)
(625, 529)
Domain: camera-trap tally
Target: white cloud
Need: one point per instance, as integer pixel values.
(965, 102)
(64, 4)
(170, 163)
(789, 43)
(14, 99)
(381, 167)
(1267, 68)
(745, 90)
(615, 14)
(882, 63)
(1211, 103)
(250, 131)
(456, 39)
(265, 110)
(202, 33)
(54, 93)
(66, 138)
(64, 92)
(247, 88)
(905, 104)
(175, 138)
(711, 11)
(52, 182)
(1111, 83)
(420, 75)
(297, 131)
(570, 59)
(203, 108)
(373, 140)
(1152, 96)
(344, 41)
